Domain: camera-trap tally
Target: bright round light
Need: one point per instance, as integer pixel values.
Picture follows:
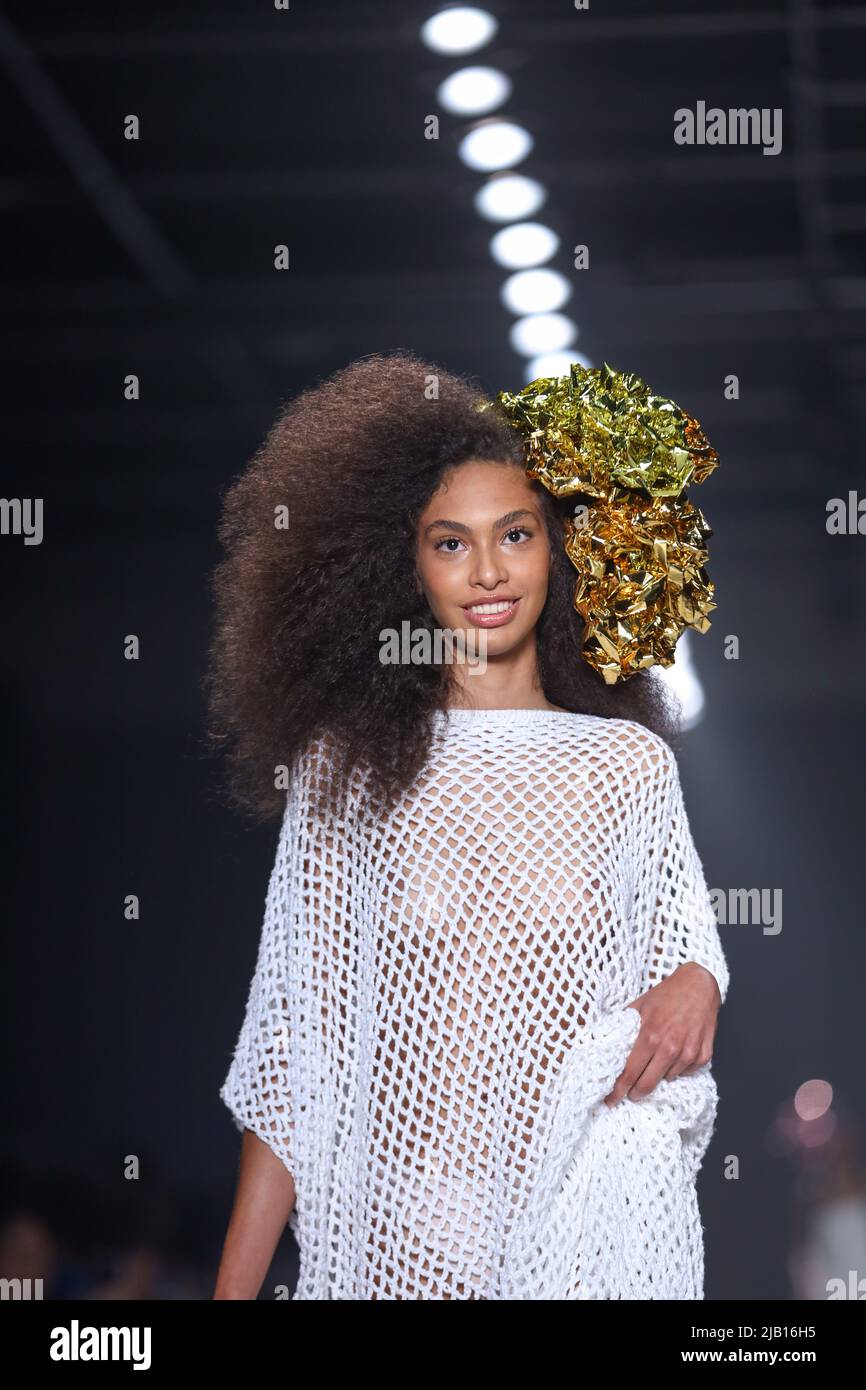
(506, 197)
(461, 29)
(523, 245)
(474, 91)
(535, 291)
(542, 333)
(553, 364)
(495, 145)
(813, 1099)
(683, 680)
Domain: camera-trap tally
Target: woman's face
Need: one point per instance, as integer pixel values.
(483, 554)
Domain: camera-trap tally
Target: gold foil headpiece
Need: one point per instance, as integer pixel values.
(639, 544)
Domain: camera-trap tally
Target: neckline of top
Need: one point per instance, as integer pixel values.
(501, 716)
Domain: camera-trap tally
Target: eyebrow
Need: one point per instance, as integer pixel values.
(505, 520)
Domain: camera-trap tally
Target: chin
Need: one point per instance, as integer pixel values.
(500, 641)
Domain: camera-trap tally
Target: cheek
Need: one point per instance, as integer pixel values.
(426, 570)
(535, 567)
(423, 567)
(536, 578)
(438, 579)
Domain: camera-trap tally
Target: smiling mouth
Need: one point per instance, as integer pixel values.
(494, 613)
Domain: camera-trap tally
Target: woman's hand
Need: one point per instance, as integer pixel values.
(678, 1026)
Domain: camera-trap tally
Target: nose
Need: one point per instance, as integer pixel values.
(490, 568)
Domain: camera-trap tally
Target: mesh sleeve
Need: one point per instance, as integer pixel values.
(256, 1089)
(684, 926)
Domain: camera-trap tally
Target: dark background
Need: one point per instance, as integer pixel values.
(155, 257)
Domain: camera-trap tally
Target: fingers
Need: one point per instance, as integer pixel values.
(704, 1055)
(654, 1058)
(638, 1060)
(639, 1080)
(695, 1055)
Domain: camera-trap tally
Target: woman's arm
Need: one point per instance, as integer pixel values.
(674, 892)
(685, 976)
(264, 1197)
(259, 1091)
(288, 1059)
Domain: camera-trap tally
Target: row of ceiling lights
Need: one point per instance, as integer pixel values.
(494, 146)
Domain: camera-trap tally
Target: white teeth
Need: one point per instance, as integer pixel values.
(488, 608)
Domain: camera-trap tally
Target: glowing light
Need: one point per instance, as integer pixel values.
(542, 333)
(553, 364)
(523, 245)
(494, 144)
(474, 91)
(813, 1099)
(535, 291)
(461, 29)
(685, 683)
(507, 197)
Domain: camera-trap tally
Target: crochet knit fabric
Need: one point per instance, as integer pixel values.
(440, 1005)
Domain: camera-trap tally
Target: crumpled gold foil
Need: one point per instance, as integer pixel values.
(603, 437)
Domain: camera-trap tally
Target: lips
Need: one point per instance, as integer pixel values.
(491, 612)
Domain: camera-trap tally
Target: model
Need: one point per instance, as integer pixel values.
(475, 1059)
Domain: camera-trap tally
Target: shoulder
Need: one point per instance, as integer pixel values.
(634, 757)
(320, 775)
(634, 745)
(317, 756)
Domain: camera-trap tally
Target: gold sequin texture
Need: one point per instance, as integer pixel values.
(637, 542)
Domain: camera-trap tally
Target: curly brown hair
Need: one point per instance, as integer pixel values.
(294, 655)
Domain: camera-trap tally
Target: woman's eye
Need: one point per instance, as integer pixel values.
(451, 544)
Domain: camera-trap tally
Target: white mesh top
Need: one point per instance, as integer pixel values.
(439, 1007)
